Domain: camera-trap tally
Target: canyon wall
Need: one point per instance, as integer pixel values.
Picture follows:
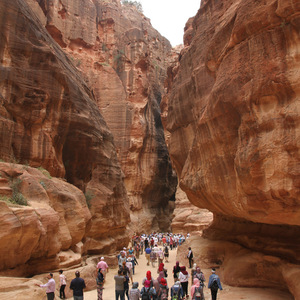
(124, 61)
(49, 118)
(232, 113)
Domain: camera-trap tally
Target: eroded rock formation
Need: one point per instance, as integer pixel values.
(124, 61)
(188, 218)
(232, 113)
(49, 118)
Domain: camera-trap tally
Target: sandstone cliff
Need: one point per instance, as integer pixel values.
(49, 118)
(232, 113)
(124, 61)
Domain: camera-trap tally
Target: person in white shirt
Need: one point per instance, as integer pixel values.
(62, 283)
(50, 287)
(184, 280)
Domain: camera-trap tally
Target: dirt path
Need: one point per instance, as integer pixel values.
(228, 293)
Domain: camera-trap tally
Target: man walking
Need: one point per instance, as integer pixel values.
(147, 254)
(77, 285)
(119, 285)
(190, 256)
(50, 287)
(214, 284)
(103, 266)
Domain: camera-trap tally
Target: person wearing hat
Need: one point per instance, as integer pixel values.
(77, 285)
(129, 266)
(214, 284)
(103, 266)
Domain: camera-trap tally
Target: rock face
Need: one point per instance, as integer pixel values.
(49, 118)
(233, 118)
(188, 218)
(124, 61)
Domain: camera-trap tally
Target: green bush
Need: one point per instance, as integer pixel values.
(138, 5)
(88, 197)
(45, 172)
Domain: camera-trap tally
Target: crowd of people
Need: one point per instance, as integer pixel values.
(156, 248)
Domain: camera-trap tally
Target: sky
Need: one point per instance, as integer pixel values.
(168, 17)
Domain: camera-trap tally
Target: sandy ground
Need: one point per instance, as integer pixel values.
(228, 293)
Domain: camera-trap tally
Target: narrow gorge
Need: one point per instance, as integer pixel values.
(107, 130)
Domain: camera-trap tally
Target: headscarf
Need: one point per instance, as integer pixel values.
(177, 264)
(196, 282)
(195, 266)
(148, 275)
(160, 276)
(163, 282)
(183, 270)
(161, 267)
(147, 283)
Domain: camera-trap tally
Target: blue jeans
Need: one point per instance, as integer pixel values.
(121, 294)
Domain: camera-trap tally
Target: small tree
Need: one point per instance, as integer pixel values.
(137, 4)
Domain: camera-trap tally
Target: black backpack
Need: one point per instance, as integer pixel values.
(214, 286)
(146, 295)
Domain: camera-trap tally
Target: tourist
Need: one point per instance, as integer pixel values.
(126, 285)
(176, 270)
(160, 255)
(184, 280)
(103, 266)
(153, 258)
(148, 277)
(77, 285)
(166, 253)
(176, 290)
(190, 257)
(121, 258)
(129, 266)
(200, 276)
(135, 293)
(161, 268)
(193, 272)
(163, 290)
(197, 290)
(147, 254)
(62, 283)
(214, 284)
(147, 291)
(100, 281)
(50, 287)
(119, 285)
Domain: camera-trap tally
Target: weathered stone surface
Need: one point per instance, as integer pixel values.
(187, 217)
(49, 118)
(124, 61)
(56, 219)
(232, 114)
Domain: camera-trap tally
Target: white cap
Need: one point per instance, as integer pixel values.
(102, 258)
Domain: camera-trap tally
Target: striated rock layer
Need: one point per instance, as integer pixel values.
(232, 113)
(124, 61)
(49, 118)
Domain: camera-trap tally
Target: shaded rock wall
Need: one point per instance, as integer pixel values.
(124, 61)
(232, 113)
(49, 118)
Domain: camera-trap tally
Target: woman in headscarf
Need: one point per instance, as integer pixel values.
(176, 270)
(148, 277)
(197, 290)
(184, 280)
(147, 289)
(161, 268)
(163, 290)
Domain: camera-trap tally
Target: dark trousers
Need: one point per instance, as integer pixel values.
(214, 294)
(121, 294)
(190, 262)
(185, 288)
(62, 292)
(50, 296)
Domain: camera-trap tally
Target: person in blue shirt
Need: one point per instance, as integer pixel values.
(214, 284)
